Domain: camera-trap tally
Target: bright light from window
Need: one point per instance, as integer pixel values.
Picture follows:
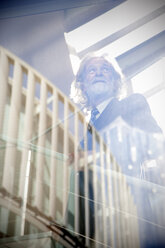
(75, 61)
(149, 78)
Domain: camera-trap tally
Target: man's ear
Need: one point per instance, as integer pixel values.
(80, 78)
(83, 86)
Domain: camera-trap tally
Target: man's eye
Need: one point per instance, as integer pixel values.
(91, 71)
(105, 69)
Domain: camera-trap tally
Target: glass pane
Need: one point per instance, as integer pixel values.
(149, 78)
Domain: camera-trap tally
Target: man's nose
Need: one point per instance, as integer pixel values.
(98, 72)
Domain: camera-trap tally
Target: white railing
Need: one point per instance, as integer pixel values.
(48, 124)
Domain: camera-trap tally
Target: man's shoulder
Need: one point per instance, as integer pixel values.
(136, 97)
(134, 100)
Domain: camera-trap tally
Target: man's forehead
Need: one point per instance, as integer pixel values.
(97, 61)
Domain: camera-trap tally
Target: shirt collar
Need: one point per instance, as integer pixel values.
(103, 105)
(100, 108)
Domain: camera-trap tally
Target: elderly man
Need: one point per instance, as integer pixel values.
(97, 88)
(125, 123)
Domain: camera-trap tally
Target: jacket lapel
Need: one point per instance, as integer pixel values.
(108, 115)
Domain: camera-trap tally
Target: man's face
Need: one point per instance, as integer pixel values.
(98, 80)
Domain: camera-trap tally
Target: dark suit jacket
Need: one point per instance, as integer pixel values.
(134, 110)
(136, 114)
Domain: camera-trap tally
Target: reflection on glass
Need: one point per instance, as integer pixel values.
(156, 102)
(64, 184)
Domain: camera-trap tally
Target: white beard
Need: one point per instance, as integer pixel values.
(99, 88)
(99, 92)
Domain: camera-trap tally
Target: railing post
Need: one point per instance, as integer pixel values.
(28, 127)
(66, 151)
(76, 217)
(12, 132)
(103, 192)
(95, 187)
(53, 163)
(41, 142)
(25, 195)
(4, 70)
(86, 188)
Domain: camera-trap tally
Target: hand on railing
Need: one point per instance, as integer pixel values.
(79, 156)
(72, 156)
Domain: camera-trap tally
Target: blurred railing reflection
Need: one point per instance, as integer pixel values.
(119, 206)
